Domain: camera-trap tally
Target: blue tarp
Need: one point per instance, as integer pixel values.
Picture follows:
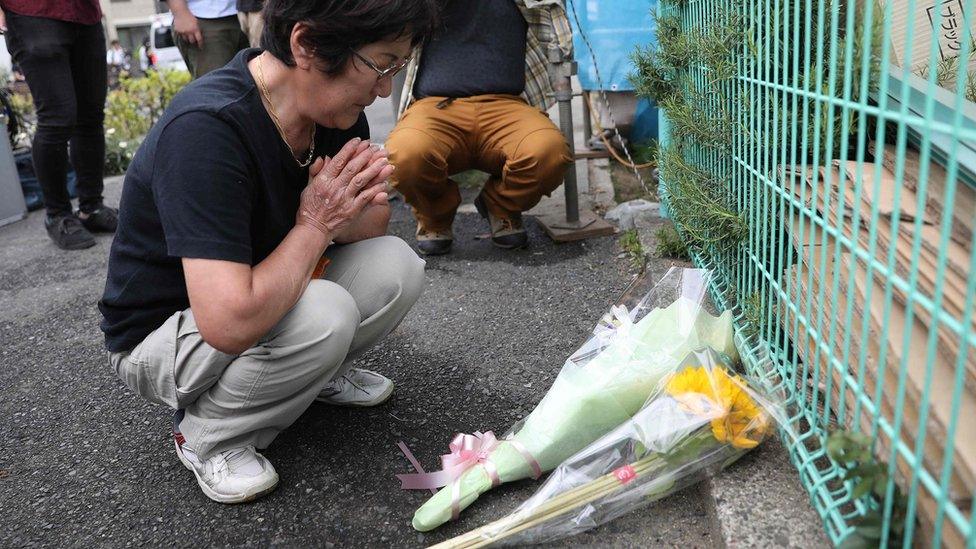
(614, 29)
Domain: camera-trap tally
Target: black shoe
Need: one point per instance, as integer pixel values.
(68, 233)
(506, 232)
(102, 220)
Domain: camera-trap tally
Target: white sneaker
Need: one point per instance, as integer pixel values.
(232, 476)
(357, 387)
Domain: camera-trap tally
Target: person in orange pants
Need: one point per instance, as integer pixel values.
(473, 103)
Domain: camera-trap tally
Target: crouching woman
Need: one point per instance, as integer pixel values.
(257, 175)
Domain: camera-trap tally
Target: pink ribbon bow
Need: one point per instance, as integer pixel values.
(466, 452)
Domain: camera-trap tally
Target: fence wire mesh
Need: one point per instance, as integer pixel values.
(841, 137)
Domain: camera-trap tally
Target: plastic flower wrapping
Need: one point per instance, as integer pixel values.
(701, 417)
(642, 341)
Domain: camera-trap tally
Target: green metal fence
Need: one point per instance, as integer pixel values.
(821, 157)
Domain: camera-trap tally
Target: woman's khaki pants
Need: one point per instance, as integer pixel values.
(232, 401)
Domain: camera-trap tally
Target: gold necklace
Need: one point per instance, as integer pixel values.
(277, 123)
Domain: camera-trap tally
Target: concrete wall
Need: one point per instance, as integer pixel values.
(128, 20)
(128, 14)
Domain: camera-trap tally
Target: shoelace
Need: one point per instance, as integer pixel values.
(69, 225)
(349, 380)
(338, 385)
(229, 459)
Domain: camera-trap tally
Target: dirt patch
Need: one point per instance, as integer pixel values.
(626, 186)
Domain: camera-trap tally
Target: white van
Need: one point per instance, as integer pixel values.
(162, 43)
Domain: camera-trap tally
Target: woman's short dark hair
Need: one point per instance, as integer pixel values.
(335, 27)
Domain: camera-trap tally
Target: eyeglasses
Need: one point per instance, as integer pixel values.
(380, 73)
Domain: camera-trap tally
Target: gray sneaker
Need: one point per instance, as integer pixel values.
(357, 387)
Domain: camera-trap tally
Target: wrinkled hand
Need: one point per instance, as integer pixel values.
(186, 25)
(3, 22)
(340, 188)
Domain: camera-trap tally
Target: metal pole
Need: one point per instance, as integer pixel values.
(562, 71)
(587, 119)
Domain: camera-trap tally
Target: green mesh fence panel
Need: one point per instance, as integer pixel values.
(851, 161)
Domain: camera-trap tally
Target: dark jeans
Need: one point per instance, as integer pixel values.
(64, 64)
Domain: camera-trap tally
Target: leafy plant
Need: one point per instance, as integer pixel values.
(651, 77)
(813, 65)
(870, 480)
(670, 245)
(699, 204)
(945, 76)
(699, 114)
(132, 109)
(752, 314)
(646, 152)
(691, 126)
(631, 244)
(22, 105)
(664, 73)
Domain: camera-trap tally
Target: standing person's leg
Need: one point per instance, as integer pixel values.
(87, 146)
(222, 39)
(525, 153)
(427, 145)
(385, 278)
(233, 404)
(42, 48)
(188, 52)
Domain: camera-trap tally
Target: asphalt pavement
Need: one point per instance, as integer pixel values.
(84, 462)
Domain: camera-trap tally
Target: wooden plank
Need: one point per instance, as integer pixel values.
(964, 208)
(882, 193)
(963, 478)
(954, 289)
(592, 226)
(581, 154)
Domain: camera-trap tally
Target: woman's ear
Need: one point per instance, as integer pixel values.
(300, 53)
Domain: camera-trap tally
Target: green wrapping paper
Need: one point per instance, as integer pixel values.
(601, 386)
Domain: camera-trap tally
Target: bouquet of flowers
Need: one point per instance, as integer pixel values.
(701, 418)
(643, 339)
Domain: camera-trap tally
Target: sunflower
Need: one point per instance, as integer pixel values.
(714, 394)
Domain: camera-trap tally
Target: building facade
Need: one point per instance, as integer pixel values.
(129, 20)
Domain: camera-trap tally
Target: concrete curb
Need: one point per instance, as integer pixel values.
(759, 502)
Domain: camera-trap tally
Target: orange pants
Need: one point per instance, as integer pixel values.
(516, 144)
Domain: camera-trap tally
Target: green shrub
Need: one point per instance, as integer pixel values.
(646, 152)
(23, 106)
(670, 245)
(633, 249)
(130, 111)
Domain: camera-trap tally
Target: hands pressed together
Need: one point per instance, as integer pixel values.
(342, 187)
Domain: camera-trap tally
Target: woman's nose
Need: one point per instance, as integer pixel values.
(384, 86)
